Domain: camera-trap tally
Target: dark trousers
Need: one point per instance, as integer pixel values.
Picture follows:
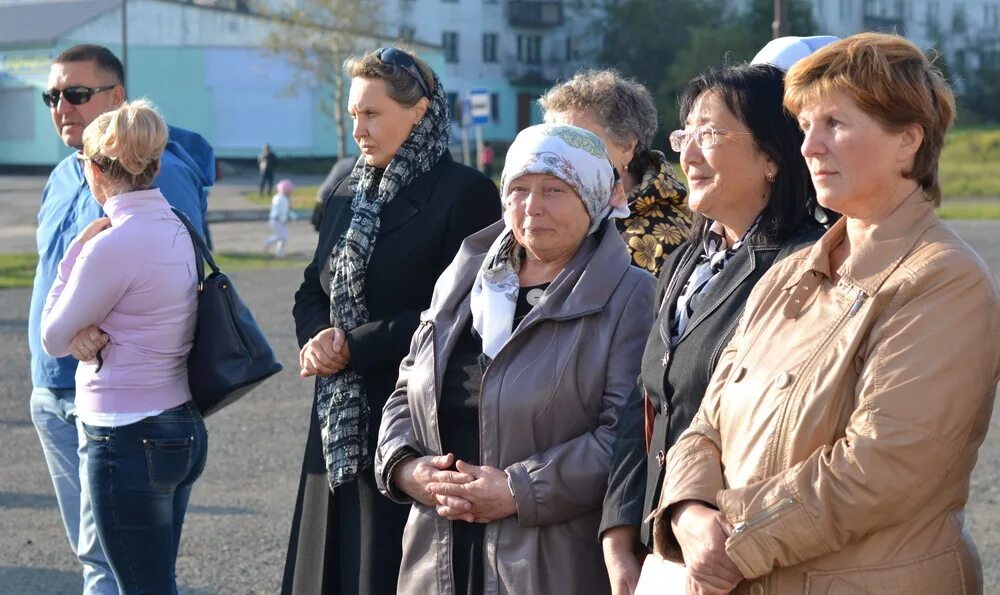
(267, 178)
(141, 477)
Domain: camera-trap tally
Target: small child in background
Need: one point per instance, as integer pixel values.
(281, 212)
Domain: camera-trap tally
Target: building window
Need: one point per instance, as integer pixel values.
(490, 47)
(17, 114)
(453, 107)
(572, 49)
(406, 33)
(846, 9)
(958, 19)
(449, 40)
(495, 107)
(529, 49)
(990, 17)
(933, 12)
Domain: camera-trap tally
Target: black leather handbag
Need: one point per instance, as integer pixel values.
(230, 355)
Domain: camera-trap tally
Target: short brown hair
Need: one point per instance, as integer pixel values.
(892, 80)
(402, 87)
(126, 144)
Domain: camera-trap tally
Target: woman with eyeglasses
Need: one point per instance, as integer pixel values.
(124, 304)
(833, 449)
(387, 233)
(754, 204)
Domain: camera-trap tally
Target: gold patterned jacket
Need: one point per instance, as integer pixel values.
(660, 220)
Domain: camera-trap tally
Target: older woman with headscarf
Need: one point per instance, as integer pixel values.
(620, 111)
(386, 235)
(500, 428)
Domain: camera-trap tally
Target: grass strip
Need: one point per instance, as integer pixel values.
(17, 270)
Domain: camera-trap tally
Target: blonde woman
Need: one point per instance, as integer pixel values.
(124, 304)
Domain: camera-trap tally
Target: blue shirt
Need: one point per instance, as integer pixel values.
(187, 170)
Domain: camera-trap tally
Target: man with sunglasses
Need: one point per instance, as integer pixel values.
(86, 81)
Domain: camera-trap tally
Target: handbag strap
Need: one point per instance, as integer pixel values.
(201, 252)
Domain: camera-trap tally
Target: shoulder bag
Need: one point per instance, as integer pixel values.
(230, 355)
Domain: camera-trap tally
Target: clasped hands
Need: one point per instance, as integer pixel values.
(702, 533)
(325, 354)
(87, 343)
(470, 493)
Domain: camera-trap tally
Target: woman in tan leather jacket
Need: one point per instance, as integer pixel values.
(500, 429)
(833, 449)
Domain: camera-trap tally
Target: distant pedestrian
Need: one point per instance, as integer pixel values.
(281, 212)
(267, 162)
(487, 159)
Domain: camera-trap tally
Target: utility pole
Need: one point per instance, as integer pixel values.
(124, 41)
(779, 28)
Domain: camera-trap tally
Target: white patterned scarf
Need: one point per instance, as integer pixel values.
(573, 155)
(341, 401)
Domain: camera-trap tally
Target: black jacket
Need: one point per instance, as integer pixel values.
(420, 233)
(676, 383)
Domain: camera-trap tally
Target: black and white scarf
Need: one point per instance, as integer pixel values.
(341, 401)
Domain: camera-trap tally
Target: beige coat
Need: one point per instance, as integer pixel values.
(843, 421)
(548, 417)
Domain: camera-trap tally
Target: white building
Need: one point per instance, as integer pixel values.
(966, 31)
(514, 48)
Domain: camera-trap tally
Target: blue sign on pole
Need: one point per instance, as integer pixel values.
(480, 106)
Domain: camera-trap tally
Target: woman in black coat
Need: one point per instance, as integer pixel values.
(385, 237)
(754, 204)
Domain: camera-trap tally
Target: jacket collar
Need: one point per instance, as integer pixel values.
(132, 203)
(871, 263)
(584, 286)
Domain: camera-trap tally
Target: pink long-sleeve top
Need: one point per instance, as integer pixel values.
(137, 282)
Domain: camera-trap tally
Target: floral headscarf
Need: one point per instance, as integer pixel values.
(575, 156)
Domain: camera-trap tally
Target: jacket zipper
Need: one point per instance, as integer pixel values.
(437, 392)
(764, 516)
(781, 430)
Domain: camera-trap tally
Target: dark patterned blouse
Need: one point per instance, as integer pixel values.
(660, 220)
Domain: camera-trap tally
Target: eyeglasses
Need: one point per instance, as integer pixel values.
(400, 59)
(704, 136)
(74, 95)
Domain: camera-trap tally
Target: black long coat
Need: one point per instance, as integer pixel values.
(676, 383)
(349, 541)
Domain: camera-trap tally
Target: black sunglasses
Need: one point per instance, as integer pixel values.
(74, 95)
(400, 59)
(81, 158)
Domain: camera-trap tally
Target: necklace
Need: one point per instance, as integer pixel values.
(534, 296)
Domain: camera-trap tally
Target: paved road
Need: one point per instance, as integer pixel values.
(235, 536)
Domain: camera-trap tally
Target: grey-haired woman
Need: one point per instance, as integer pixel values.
(386, 235)
(621, 113)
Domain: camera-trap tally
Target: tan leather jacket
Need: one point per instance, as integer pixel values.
(844, 419)
(548, 416)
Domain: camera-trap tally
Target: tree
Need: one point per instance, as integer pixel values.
(664, 43)
(316, 37)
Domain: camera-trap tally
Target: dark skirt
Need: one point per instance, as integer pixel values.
(347, 542)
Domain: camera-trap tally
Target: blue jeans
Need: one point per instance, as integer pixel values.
(141, 477)
(52, 413)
